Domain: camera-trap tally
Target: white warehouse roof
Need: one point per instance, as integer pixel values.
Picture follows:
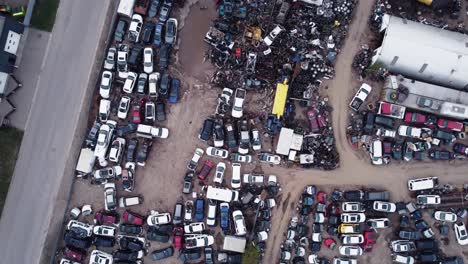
(424, 52)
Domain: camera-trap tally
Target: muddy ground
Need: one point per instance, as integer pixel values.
(160, 182)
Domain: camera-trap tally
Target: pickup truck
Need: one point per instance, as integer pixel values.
(360, 97)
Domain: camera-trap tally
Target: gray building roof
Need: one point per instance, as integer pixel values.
(424, 52)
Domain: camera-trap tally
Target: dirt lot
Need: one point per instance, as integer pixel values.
(160, 182)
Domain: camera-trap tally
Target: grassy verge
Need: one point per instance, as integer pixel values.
(251, 255)
(10, 141)
(44, 13)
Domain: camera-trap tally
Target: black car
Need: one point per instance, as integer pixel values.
(131, 229)
(164, 56)
(100, 241)
(160, 111)
(207, 129)
(189, 254)
(458, 148)
(218, 132)
(409, 234)
(141, 84)
(91, 138)
(427, 244)
(445, 136)
(209, 255)
(120, 31)
(368, 121)
(165, 229)
(124, 255)
(131, 244)
(421, 225)
(127, 129)
(188, 183)
(404, 221)
(135, 54)
(452, 260)
(165, 85)
(175, 91)
(230, 136)
(397, 150)
(165, 11)
(158, 236)
(427, 257)
(440, 155)
(384, 121)
(147, 32)
(354, 196)
(162, 253)
(153, 9)
(72, 241)
(131, 149)
(142, 154)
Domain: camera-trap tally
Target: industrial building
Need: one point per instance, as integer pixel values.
(423, 52)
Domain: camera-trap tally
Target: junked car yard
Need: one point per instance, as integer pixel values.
(201, 167)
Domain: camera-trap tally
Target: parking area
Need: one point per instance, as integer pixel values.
(164, 179)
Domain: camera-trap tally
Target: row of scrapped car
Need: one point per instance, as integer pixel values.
(129, 64)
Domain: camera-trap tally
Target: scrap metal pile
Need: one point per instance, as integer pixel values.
(258, 44)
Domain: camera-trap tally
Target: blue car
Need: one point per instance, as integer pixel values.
(159, 34)
(224, 216)
(199, 210)
(175, 91)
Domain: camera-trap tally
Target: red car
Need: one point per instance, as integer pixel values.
(136, 111)
(205, 170)
(106, 218)
(369, 241)
(415, 118)
(74, 254)
(450, 125)
(330, 243)
(178, 239)
(314, 125)
(132, 218)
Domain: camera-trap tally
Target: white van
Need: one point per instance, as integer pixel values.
(211, 217)
(423, 184)
(104, 110)
(130, 201)
(222, 194)
(151, 132)
(376, 152)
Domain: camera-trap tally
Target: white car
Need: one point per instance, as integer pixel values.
(378, 223)
(102, 230)
(193, 163)
(399, 246)
(351, 251)
(103, 139)
(198, 241)
(360, 97)
(117, 149)
(129, 83)
(110, 197)
(83, 229)
(211, 216)
(217, 152)
(414, 132)
(148, 60)
(219, 173)
(150, 111)
(100, 257)
(238, 107)
(254, 179)
(160, 132)
(460, 233)
(427, 199)
(135, 28)
(109, 62)
(344, 261)
(236, 178)
(352, 218)
(239, 223)
(194, 228)
(269, 158)
(122, 64)
(104, 174)
(381, 132)
(376, 152)
(445, 216)
(236, 157)
(106, 84)
(352, 239)
(268, 40)
(353, 207)
(124, 106)
(153, 84)
(156, 218)
(403, 259)
(384, 207)
(256, 142)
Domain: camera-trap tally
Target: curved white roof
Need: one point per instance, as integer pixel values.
(424, 52)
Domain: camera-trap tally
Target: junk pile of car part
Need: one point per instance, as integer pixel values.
(290, 47)
(351, 222)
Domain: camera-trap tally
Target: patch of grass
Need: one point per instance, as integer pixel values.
(44, 13)
(251, 255)
(10, 141)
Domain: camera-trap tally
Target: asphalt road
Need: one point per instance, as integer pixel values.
(46, 152)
